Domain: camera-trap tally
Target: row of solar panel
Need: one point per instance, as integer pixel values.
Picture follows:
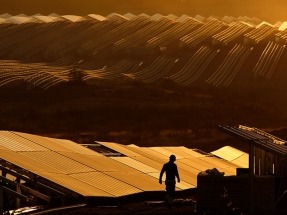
(184, 72)
(89, 173)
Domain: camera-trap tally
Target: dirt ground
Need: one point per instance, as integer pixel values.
(145, 115)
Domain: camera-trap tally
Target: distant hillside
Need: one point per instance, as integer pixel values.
(268, 10)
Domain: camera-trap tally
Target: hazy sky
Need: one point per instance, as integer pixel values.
(269, 10)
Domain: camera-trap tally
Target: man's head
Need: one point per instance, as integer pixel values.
(172, 158)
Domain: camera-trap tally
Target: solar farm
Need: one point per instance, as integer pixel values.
(130, 90)
(59, 175)
(47, 51)
(58, 170)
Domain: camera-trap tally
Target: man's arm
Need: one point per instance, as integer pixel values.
(177, 175)
(161, 174)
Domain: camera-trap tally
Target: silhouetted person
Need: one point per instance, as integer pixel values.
(171, 173)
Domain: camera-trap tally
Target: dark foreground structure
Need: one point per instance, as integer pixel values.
(259, 189)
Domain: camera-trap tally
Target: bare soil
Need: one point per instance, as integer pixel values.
(159, 114)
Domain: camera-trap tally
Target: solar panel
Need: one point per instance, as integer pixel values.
(60, 162)
(139, 180)
(184, 185)
(135, 164)
(106, 183)
(242, 161)
(219, 164)
(25, 162)
(103, 164)
(165, 151)
(228, 153)
(74, 184)
(44, 142)
(196, 163)
(16, 143)
(189, 168)
(149, 162)
(148, 152)
(89, 173)
(74, 147)
(119, 148)
(191, 152)
(181, 152)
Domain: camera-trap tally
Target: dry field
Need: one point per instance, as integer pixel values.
(143, 114)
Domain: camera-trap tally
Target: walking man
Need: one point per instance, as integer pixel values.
(171, 173)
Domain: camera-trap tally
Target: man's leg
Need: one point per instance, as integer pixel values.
(170, 191)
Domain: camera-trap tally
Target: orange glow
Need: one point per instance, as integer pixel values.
(267, 10)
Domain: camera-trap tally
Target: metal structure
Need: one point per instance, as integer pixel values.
(267, 156)
(270, 152)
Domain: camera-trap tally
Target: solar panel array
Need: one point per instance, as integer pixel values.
(90, 174)
(44, 51)
(233, 155)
